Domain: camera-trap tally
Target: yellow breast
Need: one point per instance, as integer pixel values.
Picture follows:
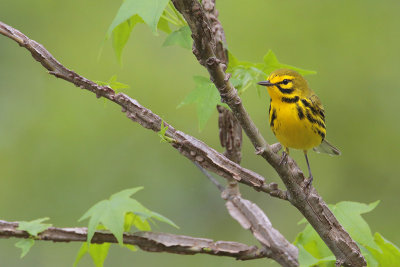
(293, 125)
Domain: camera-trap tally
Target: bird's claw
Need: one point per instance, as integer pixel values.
(260, 150)
(308, 182)
(284, 158)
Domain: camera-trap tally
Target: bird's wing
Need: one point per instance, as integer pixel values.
(316, 102)
(326, 147)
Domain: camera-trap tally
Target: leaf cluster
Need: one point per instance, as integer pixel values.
(164, 17)
(33, 228)
(375, 248)
(157, 14)
(118, 214)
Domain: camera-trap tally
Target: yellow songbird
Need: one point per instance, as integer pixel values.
(296, 115)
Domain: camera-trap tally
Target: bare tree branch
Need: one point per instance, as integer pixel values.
(148, 241)
(230, 134)
(230, 131)
(187, 145)
(251, 217)
(306, 200)
(194, 149)
(248, 214)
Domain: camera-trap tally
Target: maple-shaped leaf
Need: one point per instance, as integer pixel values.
(111, 213)
(206, 97)
(272, 63)
(244, 73)
(181, 37)
(33, 228)
(312, 250)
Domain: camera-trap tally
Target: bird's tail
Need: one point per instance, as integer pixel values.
(326, 147)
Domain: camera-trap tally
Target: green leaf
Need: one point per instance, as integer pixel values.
(205, 96)
(131, 247)
(98, 253)
(25, 245)
(245, 74)
(118, 214)
(149, 10)
(161, 134)
(272, 63)
(111, 213)
(311, 242)
(369, 257)
(114, 84)
(181, 37)
(135, 220)
(389, 254)
(163, 25)
(82, 251)
(306, 259)
(349, 215)
(161, 218)
(121, 33)
(34, 227)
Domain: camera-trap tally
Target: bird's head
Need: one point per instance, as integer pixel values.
(285, 83)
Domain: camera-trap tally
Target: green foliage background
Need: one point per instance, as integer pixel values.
(62, 150)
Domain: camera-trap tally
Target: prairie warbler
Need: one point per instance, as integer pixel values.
(296, 115)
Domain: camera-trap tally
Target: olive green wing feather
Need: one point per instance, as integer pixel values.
(326, 147)
(317, 104)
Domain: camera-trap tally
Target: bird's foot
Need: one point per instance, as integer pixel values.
(284, 158)
(260, 150)
(308, 182)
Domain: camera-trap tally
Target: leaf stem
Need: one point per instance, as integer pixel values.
(177, 14)
(172, 16)
(175, 22)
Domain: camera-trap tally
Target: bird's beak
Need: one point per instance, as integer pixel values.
(265, 83)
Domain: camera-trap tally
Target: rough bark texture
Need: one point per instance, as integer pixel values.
(230, 134)
(202, 155)
(148, 241)
(247, 213)
(251, 217)
(305, 199)
(187, 145)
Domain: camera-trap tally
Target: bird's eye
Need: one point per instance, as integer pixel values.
(285, 81)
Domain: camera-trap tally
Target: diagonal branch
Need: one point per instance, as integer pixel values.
(230, 131)
(248, 214)
(187, 145)
(198, 152)
(252, 218)
(306, 200)
(148, 241)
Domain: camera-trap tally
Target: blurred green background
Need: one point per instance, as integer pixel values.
(62, 150)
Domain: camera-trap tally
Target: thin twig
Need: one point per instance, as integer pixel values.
(220, 187)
